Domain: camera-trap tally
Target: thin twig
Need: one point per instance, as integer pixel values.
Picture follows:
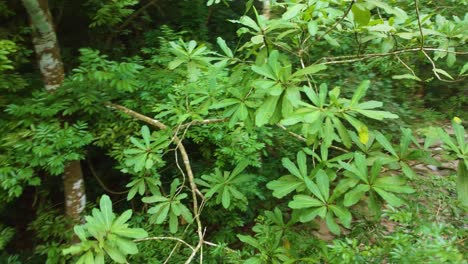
(165, 238)
(101, 183)
(434, 67)
(203, 122)
(216, 245)
(338, 21)
(416, 3)
(186, 161)
(127, 21)
(303, 139)
(332, 60)
(406, 65)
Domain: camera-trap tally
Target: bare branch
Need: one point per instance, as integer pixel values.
(204, 122)
(186, 161)
(339, 20)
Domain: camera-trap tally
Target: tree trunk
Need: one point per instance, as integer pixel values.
(266, 8)
(51, 68)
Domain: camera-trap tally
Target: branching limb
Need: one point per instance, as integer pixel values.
(186, 161)
(93, 172)
(203, 122)
(339, 20)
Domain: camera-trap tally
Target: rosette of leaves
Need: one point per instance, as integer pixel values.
(360, 182)
(280, 88)
(224, 186)
(459, 149)
(403, 154)
(299, 176)
(320, 202)
(141, 184)
(169, 207)
(146, 151)
(322, 118)
(105, 234)
(196, 58)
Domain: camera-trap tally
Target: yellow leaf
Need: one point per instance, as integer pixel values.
(363, 135)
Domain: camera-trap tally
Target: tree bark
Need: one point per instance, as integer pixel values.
(51, 68)
(266, 8)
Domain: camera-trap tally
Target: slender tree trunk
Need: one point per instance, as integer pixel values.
(51, 67)
(266, 8)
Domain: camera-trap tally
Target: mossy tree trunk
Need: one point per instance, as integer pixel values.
(51, 68)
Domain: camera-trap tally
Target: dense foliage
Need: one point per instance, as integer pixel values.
(295, 131)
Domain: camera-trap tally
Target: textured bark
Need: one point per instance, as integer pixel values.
(45, 43)
(266, 8)
(51, 67)
(75, 196)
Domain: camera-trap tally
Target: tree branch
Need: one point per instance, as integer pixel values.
(338, 21)
(186, 160)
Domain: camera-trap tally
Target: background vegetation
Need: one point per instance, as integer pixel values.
(295, 131)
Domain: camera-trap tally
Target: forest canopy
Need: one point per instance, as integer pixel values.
(228, 131)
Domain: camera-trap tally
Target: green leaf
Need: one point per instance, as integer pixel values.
(343, 214)
(266, 110)
(342, 132)
(99, 259)
(126, 246)
(173, 223)
(80, 232)
(446, 74)
(356, 194)
(226, 199)
(331, 224)
(284, 185)
(124, 217)
(186, 214)
(162, 212)
(407, 171)
(464, 69)
(459, 133)
(389, 197)
(312, 27)
(293, 11)
(106, 209)
(360, 92)
(310, 70)
(249, 22)
(302, 163)
(88, 258)
(310, 214)
(73, 250)
(239, 168)
(378, 115)
(136, 233)
(462, 182)
(311, 186)
(323, 184)
(291, 167)
(301, 201)
(361, 14)
(257, 39)
(145, 132)
(386, 144)
(406, 76)
(222, 44)
(249, 240)
(115, 254)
